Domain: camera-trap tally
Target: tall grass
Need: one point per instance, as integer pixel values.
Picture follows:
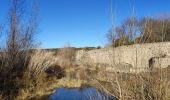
(40, 61)
(66, 56)
(142, 86)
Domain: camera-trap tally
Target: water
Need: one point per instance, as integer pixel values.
(88, 93)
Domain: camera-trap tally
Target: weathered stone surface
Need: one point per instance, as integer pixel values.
(137, 55)
(161, 62)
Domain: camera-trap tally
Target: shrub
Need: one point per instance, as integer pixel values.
(55, 71)
(40, 61)
(143, 86)
(66, 56)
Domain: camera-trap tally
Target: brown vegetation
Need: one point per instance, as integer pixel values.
(21, 69)
(146, 30)
(26, 73)
(143, 86)
(66, 56)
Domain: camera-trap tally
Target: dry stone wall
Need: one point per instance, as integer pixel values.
(137, 56)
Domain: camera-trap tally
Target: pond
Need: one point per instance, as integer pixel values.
(88, 93)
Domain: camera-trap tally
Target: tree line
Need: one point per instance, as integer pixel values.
(144, 30)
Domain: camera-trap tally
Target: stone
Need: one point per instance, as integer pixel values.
(138, 56)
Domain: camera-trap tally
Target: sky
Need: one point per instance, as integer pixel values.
(83, 23)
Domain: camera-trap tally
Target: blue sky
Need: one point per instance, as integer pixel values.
(85, 22)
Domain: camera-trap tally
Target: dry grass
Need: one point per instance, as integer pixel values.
(40, 61)
(66, 56)
(70, 83)
(35, 82)
(143, 86)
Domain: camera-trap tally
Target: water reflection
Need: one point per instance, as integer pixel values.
(89, 93)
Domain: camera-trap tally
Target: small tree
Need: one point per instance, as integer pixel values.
(15, 56)
(67, 56)
(123, 34)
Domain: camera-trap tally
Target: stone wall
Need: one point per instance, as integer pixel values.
(132, 56)
(163, 62)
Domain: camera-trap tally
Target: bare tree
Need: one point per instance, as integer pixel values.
(15, 58)
(125, 33)
(154, 30)
(67, 56)
(20, 34)
(146, 30)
